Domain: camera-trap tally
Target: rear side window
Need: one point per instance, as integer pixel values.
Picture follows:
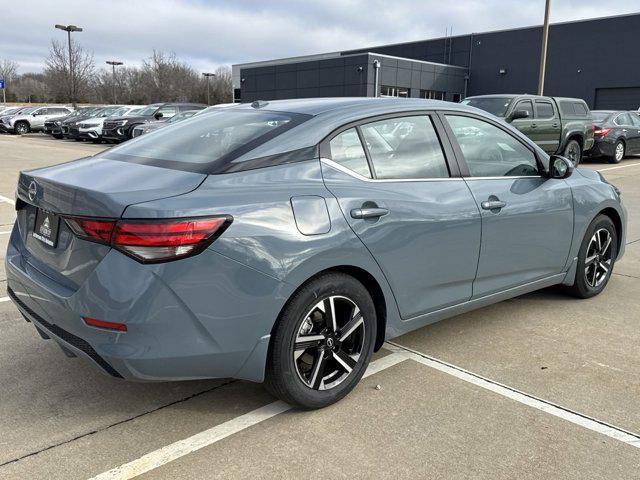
(347, 150)
(577, 109)
(623, 119)
(405, 148)
(544, 110)
(490, 151)
(206, 143)
(580, 109)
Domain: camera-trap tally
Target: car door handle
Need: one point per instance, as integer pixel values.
(369, 212)
(555, 125)
(533, 125)
(493, 204)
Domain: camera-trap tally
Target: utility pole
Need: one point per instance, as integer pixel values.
(69, 29)
(113, 64)
(543, 54)
(208, 75)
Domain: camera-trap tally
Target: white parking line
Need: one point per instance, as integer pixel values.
(6, 232)
(621, 166)
(7, 200)
(4, 299)
(208, 437)
(577, 418)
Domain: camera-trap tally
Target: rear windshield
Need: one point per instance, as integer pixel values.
(600, 116)
(496, 105)
(206, 143)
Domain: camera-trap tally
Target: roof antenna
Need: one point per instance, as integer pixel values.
(259, 104)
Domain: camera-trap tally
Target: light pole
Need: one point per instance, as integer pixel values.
(543, 54)
(113, 64)
(208, 75)
(69, 29)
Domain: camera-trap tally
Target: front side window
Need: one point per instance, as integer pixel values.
(490, 151)
(405, 148)
(635, 119)
(347, 150)
(545, 110)
(527, 106)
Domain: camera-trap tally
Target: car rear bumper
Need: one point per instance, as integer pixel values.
(603, 148)
(203, 317)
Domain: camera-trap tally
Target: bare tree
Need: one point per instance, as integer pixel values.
(57, 72)
(8, 72)
(31, 87)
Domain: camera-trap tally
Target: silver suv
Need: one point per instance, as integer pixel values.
(34, 120)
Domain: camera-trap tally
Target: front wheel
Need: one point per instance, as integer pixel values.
(596, 258)
(322, 343)
(573, 151)
(21, 128)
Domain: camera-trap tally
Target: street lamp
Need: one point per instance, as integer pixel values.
(208, 75)
(69, 29)
(113, 64)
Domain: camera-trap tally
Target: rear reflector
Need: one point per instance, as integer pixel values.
(150, 241)
(92, 322)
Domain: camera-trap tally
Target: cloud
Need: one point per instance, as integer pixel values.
(208, 34)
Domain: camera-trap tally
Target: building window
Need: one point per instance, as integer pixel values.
(456, 97)
(387, 91)
(432, 94)
(237, 96)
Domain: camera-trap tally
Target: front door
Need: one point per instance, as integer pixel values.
(419, 222)
(548, 129)
(527, 219)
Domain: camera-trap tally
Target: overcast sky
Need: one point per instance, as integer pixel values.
(212, 33)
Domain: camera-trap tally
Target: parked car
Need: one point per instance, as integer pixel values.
(285, 241)
(54, 127)
(617, 133)
(7, 115)
(153, 126)
(91, 128)
(557, 125)
(121, 129)
(33, 121)
(70, 126)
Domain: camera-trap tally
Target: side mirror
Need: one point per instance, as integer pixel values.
(560, 167)
(158, 115)
(517, 114)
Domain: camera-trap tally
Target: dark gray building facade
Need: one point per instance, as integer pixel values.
(596, 60)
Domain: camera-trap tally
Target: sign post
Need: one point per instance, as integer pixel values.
(4, 97)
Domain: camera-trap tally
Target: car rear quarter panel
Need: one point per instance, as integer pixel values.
(264, 235)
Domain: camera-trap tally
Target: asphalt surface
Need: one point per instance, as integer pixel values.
(541, 386)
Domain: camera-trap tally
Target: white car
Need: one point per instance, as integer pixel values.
(91, 128)
(33, 120)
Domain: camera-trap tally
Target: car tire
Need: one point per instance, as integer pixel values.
(596, 256)
(619, 151)
(97, 141)
(21, 128)
(57, 136)
(293, 374)
(573, 151)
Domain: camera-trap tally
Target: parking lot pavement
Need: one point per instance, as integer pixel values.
(60, 418)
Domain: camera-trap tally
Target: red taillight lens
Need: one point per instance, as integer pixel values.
(151, 241)
(92, 322)
(92, 229)
(601, 132)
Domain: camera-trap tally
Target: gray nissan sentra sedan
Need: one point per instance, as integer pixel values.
(284, 241)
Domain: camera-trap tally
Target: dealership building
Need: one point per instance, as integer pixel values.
(596, 60)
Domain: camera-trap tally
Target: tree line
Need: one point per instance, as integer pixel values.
(162, 77)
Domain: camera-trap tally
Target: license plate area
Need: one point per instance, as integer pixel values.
(46, 228)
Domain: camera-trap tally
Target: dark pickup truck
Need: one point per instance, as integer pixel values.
(562, 126)
(119, 129)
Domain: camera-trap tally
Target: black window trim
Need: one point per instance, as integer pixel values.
(464, 168)
(447, 151)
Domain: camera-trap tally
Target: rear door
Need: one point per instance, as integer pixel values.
(635, 122)
(527, 219)
(548, 127)
(399, 189)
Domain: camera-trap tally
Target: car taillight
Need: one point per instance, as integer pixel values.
(601, 132)
(151, 241)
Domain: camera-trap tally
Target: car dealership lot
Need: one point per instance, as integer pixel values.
(63, 419)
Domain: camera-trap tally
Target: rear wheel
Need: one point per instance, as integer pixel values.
(573, 151)
(21, 128)
(618, 152)
(596, 258)
(322, 342)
